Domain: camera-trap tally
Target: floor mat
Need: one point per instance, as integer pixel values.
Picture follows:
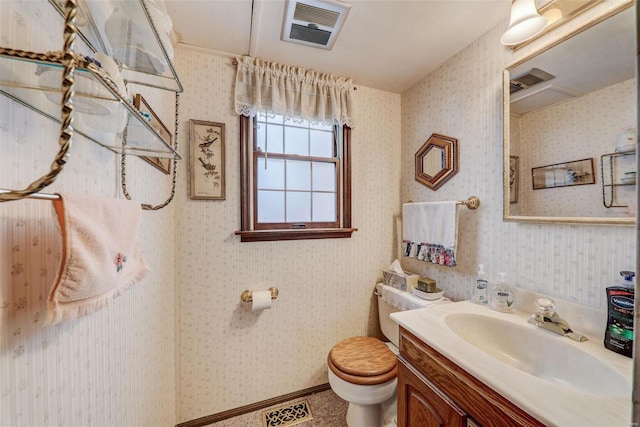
(287, 415)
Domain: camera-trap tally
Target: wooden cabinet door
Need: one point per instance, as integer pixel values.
(422, 404)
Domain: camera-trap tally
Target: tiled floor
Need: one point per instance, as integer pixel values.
(328, 410)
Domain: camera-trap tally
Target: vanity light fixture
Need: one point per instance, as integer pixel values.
(524, 24)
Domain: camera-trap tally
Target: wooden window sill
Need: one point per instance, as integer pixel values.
(274, 235)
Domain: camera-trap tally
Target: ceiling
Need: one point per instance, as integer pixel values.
(384, 44)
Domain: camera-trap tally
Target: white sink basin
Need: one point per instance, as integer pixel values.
(540, 353)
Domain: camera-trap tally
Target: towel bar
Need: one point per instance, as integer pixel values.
(47, 196)
(472, 203)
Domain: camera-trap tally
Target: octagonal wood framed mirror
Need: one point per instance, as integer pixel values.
(437, 161)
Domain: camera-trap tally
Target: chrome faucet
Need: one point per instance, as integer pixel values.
(547, 318)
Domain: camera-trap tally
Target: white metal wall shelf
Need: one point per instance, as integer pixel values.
(99, 108)
(608, 171)
(69, 88)
(130, 36)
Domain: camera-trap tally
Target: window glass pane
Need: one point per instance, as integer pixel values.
(324, 207)
(321, 143)
(260, 136)
(298, 175)
(274, 139)
(296, 141)
(298, 207)
(272, 177)
(261, 117)
(270, 206)
(324, 176)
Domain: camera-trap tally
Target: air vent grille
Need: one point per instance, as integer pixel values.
(314, 23)
(530, 78)
(316, 15)
(308, 34)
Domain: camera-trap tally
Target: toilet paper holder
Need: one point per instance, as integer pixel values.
(246, 295)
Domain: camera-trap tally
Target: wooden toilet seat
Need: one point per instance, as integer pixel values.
(363, 361)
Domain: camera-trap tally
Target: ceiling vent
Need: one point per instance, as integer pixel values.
(315, 23)
(528, 79)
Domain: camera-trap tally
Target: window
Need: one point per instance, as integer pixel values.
(296, 179)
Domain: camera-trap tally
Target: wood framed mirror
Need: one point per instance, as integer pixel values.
(437, 161)
(572, 100)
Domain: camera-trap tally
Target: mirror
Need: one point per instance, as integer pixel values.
(437, 161)
(570, 105)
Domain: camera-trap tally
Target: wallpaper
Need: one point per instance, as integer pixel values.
(585, 127)
(114, 367)
(463, 99)
(181, 344)
(229, 356)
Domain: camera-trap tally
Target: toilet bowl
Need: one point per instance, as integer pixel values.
(363, 370)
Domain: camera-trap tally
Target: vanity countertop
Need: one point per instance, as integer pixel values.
(551, 403)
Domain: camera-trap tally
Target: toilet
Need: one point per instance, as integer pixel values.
(363, 370)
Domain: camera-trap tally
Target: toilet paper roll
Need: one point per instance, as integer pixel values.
(261, 300)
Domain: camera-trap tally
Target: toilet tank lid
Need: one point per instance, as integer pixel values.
(402, 300)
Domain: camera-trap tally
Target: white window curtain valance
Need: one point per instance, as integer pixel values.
(269, 87)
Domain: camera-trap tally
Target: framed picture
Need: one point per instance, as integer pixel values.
(206, 160)
(164, 164)
(514, 178)
(577, 172)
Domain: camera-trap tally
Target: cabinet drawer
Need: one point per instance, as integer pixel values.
(483, 404)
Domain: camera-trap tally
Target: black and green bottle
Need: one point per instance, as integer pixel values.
(620, 301)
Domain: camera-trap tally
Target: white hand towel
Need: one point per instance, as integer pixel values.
(430, 231)
(101, 254)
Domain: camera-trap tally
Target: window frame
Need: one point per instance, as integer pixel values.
(287, 231)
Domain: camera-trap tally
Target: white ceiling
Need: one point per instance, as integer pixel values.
(384, 44)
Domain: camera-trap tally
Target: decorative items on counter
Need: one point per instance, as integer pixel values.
(499, 297)
(397, 278)
(427, 289)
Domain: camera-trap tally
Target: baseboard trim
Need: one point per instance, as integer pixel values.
(210, 419)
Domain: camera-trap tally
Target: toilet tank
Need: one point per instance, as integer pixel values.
(400, 301)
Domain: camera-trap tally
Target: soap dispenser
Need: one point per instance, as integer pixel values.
(501, 295)
(481, 290)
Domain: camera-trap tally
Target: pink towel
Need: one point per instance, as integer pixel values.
(101, 254)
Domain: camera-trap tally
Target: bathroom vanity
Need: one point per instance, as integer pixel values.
(433, 391)
(462, 364)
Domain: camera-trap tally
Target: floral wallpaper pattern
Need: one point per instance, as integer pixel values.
(182, 345)
(228, 356)
(463, 99)
(114, 367)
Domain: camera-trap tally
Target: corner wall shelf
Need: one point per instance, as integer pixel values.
(99, 109)
(609, 185)
(67, 87)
